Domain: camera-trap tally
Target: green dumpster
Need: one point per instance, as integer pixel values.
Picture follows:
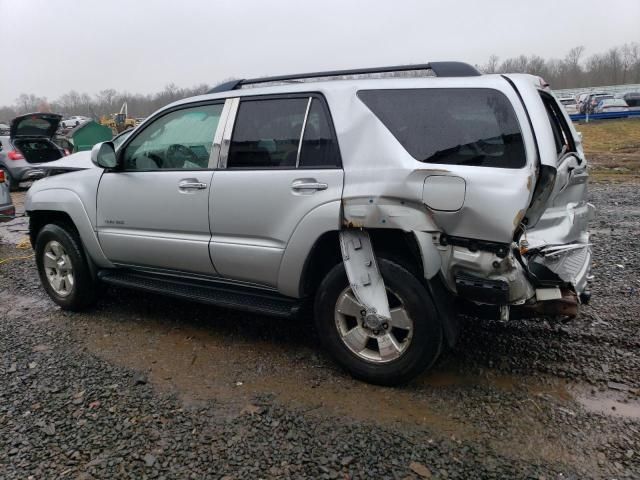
(87, 134)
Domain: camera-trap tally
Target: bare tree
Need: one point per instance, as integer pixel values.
(492, 64)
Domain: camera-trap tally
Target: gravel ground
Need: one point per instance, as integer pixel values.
(147, 387)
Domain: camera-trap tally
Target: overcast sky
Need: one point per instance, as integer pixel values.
(50, 47)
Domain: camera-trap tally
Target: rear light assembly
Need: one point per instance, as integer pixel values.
(14, 155)
(2, 179)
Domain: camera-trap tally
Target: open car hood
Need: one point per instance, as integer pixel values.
(35, 125)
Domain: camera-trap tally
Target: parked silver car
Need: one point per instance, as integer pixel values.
(570, 105)
(28, 147)
(375, 201)
(610, 105)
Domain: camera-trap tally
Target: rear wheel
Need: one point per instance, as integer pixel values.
(63, 268)
(386, 352)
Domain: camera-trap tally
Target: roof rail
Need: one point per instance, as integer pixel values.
(441, 69)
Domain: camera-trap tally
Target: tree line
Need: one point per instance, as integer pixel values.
(105, 102)
(618, 65)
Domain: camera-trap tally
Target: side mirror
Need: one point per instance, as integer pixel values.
(103, 155)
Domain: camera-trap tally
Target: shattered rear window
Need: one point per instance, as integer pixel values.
(454, 126)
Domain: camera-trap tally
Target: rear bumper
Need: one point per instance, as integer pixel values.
(560, 244)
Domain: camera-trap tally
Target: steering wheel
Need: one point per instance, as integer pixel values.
(176, 155)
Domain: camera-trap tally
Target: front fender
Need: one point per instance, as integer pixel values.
(67, 201)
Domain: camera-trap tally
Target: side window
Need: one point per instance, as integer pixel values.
(178, 140)
(267, 133)
(319, 147)
(454, 126)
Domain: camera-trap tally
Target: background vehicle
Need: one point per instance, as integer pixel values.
(245, 198)
(4, 129)
(611, 105)
(569, 104)
(585, 100)
(119, 122)
(28, 147)
(593, 100)
(7, 210)
(632, 99)
(73, 121)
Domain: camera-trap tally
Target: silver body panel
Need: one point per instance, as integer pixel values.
(254, 226)
(254, 213)
(143, 218)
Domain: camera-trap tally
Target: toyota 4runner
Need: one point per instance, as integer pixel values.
(376, 201)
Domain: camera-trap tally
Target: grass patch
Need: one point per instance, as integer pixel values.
(611, 136)
(612, 148)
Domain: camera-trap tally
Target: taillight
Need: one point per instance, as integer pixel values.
(66, 152)
(1, 176)
(14, 155)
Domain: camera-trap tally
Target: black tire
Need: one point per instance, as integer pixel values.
(8, 179)
(83, 292)
(425, 346)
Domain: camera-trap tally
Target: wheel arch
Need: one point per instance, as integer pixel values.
(61, 205)
(400, 246)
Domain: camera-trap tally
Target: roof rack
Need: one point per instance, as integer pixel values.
(441, 69)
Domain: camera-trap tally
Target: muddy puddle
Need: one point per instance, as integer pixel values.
(204, 363)
(609, 402)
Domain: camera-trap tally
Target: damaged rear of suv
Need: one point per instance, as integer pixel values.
(378, 201)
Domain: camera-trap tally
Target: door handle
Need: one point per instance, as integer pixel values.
(191, 184)
(308, 185)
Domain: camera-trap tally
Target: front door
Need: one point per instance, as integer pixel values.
(155, 211)
(282, 163)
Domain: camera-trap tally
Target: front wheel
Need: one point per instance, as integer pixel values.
(63, 268)
(391, 352)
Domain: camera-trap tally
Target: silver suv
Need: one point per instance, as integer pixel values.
(376, 201)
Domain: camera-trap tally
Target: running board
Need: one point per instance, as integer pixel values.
(217, 293)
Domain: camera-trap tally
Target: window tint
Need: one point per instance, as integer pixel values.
(319, 148)
(267, 133)
(178, 140)
(458, 126)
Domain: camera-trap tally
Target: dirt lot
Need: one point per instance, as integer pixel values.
(147, 387)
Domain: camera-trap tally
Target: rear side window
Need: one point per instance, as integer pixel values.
(268, 133)
(460, 126)
(319, 148)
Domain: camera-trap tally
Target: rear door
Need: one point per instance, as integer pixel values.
(155, 212)
(280, 161)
